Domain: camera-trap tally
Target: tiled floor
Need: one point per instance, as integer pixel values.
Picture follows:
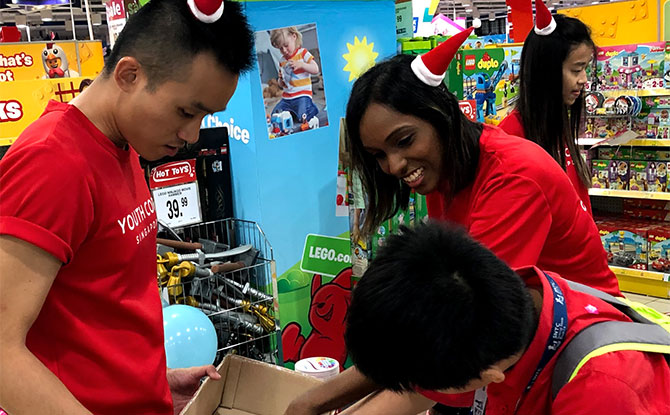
(660, 304)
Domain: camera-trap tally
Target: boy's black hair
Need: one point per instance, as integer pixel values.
(393, 84)
(435, 309)
(546, 119)
(164, 36)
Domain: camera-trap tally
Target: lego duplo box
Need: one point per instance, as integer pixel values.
(600, 174)
(248, 387)
(638, 176)
(659, 248)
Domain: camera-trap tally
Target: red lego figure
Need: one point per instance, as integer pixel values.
(327, 315)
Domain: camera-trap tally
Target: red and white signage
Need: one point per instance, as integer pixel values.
(175, 190)
(10, 111)
(170, 174)
(469, 108)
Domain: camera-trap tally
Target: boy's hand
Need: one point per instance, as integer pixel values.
(184, 382)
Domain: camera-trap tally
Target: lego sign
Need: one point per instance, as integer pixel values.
(470, 62)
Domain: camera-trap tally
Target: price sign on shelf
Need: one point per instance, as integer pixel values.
(175, 190)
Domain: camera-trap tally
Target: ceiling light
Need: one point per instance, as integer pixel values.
(46, 15)
(96, 20)
(468, 10)
(492, 16)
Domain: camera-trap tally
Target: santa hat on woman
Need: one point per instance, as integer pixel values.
(431, 67)
(207, 11)
(545, 24)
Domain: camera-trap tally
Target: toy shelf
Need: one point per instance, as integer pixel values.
(629, 194)
(637, 92)
(589, 141)
(638, 142)
(7, 141)
(648, 142)
(656, 284)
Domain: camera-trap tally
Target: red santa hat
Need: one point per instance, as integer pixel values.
(431, 67)
(207, 11)
(544, 21)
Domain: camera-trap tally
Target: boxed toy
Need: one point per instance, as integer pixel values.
(600, 174)
(647, 214)
(639, 66)
(619, 174)
(248, 387)
(626, 243)
(640, 153)
(659, 249)
(657, 176)
(614, 153)
(638, 175)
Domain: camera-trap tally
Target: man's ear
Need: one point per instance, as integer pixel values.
(494, 374)
(127, 73)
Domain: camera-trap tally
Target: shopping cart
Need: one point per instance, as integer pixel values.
(238, 292)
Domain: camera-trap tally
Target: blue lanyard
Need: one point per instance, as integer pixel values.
(554, 342)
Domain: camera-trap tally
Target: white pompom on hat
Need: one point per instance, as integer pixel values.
(207, 11)
(545, 24)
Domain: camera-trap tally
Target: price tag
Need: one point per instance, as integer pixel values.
(178, 205)
(175, 191)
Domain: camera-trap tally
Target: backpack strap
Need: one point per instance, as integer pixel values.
(614, 301)
(606, 337)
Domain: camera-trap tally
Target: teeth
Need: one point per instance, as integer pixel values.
(414, 176)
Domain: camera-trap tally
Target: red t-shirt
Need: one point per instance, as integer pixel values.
(616, 383)
(67, 189)
(513, 125)
(522, 206)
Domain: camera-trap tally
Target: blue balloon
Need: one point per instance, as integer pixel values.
(190, 338)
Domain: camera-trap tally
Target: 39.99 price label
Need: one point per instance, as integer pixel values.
(178, 205)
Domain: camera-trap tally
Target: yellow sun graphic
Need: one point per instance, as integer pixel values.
(360, 58)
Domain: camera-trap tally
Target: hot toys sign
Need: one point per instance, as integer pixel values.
(469, 108)
(175, 191)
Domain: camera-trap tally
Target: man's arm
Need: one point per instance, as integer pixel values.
(26, 385)
(345, 388)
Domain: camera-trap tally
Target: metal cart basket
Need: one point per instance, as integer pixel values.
(241, 303)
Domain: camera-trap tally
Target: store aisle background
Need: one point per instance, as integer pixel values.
(660, 304)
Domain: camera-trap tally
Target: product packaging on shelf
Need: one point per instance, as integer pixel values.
(659, 248)
(638, 176)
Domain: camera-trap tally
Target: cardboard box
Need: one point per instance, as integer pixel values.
(248, 387)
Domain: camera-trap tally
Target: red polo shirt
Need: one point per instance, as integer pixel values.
(522, 206)
(617, 383)
(513, 125)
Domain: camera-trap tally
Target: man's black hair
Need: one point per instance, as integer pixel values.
(434, 310)
(164, 37)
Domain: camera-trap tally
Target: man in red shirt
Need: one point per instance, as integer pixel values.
(438, 312)
(81, 317)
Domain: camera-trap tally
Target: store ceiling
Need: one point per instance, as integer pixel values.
(485, 9)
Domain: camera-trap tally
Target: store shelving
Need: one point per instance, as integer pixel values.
(638, 142)
(7, 141)
(651, 92)
(652, 283)
(629, 194)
